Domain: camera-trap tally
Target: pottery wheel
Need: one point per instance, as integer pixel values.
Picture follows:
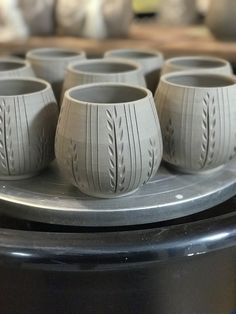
(49, 198)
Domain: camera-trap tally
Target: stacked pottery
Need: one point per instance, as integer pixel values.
(108, 139)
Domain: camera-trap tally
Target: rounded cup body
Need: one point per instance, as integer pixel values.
(13, 67)
(28, 118)
(50, 64)
(197, 114)
(109, 148)
(202, 63)
(151, 62)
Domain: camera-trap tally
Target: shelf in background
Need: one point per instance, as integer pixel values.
(146, 35)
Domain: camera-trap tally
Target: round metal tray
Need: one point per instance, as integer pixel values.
(49, 198)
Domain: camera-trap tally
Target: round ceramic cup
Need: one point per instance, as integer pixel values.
(50, 64)
(197, 114)
(13, 67)
(28, 118)
(108, 140)
(202, 63)
(151, 62)
(103, 70)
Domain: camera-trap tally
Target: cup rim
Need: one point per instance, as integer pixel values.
(164, 78)
(33, 53)
(30, 79)
(23, 63)
(171, 61)
(67, 94)
(72, 65)
(149, 53)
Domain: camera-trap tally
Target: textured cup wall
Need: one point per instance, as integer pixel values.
(198, 123)
(112, 147)
(28, 118)
(203, 63)
(150, 61)
(15, 68)
(99, 71)
(50, 64)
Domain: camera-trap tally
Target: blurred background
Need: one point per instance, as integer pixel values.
(175, 27)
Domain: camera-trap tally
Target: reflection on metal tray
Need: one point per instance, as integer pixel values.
(49, 198)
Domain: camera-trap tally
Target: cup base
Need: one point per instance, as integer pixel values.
(20, 177)
(98, 195)
(195, 172)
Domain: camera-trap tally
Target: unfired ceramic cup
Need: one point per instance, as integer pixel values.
(201, 63)
(13, 67)
(103, 70)
(108, 140)
(50, 64)
(28, 118)
(151, 62)
(197, 114)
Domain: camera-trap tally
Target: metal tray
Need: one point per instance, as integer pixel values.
(49, 198)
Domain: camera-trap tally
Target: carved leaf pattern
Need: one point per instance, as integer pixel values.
(120, 157)
(72, 162)
(43, 152)
(117, 170)
(152, 163)
(111, 149)
(9, 144)
(208, 131)
(169, 144)
(3, 146)
(234, 149)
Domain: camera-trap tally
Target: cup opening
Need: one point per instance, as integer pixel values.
(105, 67)
(132, 54)
(54, 53)
(9, 66)
(200, 80)
(104, 94)
(13, 87)
(197, 63)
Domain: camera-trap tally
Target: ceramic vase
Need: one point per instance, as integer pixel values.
(177, 12)
(13, 67)
(39, 16)
(151, 62)
(221, 19)
(94, 18)
(103, 70)
(108, 140)
(201, 63)
(197, 114)
(50, 64)
(28, 118)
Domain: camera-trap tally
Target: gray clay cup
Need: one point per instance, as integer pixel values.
(28, 119)
(197, 114)
(103, 70)
(151, 62)
(108, 140)
(13, 67)
(202, 63)
(50, 64)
